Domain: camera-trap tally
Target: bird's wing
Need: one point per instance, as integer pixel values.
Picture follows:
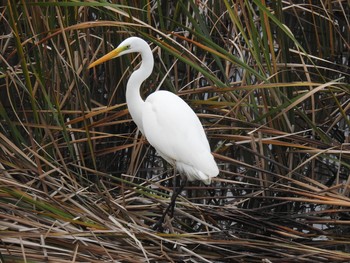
(175, 131)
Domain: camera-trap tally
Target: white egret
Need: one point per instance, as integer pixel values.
(167, 122)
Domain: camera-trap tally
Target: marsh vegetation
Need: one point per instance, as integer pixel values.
(269, 81)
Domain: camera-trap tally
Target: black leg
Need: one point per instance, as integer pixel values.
(158, 225)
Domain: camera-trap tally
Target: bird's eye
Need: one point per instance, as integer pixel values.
(128, 47)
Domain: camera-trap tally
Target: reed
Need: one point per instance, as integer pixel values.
(269, 81)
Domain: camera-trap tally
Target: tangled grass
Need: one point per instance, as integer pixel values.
(269, 82)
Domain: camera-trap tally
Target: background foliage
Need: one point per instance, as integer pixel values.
(269, 81)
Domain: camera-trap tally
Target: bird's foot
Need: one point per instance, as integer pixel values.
(159, 225)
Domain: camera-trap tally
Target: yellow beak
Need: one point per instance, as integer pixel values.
(113, 54)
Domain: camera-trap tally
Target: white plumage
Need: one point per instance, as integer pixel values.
(167, 122)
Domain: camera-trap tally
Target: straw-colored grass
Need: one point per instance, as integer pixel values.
(269, 81)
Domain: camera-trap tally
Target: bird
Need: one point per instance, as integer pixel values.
(167, 121)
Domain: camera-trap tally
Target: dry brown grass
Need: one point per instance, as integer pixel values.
(270, 84)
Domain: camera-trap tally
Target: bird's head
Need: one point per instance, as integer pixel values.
(129, 45)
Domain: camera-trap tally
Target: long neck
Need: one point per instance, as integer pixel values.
(133, 98)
